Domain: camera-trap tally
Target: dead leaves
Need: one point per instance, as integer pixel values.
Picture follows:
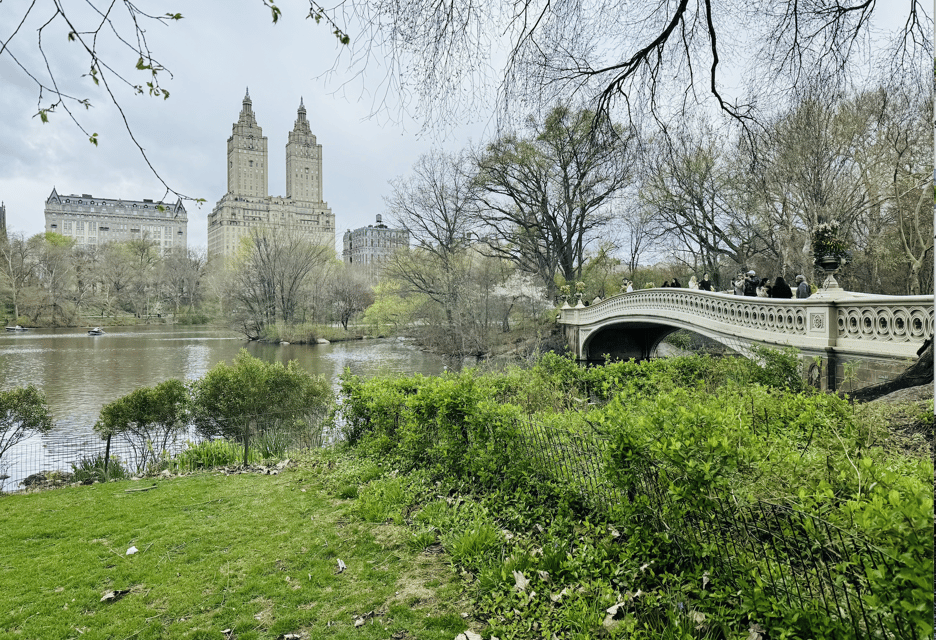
(115, 595)
(521, 582)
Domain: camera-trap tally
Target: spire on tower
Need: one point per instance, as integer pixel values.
(246, 115)
(302, 125)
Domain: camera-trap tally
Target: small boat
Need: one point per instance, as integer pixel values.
(96, 331)
(16, 328)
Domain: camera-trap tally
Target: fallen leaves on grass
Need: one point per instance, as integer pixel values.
(113, 596)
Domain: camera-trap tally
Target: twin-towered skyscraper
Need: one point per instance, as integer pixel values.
(247, 205)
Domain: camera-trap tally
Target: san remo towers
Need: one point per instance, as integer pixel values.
(246, 205)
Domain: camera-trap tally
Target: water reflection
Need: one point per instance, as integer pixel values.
(80, 373)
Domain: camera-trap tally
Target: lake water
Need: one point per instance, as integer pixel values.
(79, 373)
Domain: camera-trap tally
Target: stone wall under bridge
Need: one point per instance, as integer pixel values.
(848, 340)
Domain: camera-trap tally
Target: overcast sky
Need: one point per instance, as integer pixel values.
(214, 53)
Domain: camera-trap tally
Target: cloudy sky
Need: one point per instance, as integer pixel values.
(214, 54)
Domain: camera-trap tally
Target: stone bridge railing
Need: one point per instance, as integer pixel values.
(859, 324)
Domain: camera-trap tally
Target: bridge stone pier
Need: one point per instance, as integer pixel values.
(831, 328)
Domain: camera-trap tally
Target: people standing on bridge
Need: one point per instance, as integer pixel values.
(750, 284)
(763, 288)
(630, 287)
(693, 283)
(738, 284)
(676, 283)
(705, 284)
(665, 283)
(802, 288)
(781, 289)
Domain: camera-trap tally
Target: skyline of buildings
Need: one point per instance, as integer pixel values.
(247, 206)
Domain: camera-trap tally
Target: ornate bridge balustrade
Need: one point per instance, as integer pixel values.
(845, 324)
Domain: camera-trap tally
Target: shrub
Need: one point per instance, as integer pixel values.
(23, 412)
(251, 397)
(91, 469)
(212, 453)
(149, 418)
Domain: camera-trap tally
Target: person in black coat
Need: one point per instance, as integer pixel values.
(705, 284)
(781, 289)
(676, 283)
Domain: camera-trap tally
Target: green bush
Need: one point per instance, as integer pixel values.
(91, 469)
(251, 397)
(628, 463)
(213, 453)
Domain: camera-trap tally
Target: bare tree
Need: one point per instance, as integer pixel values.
(690, 188)
(907, 138)
(54, 268)
(117, 271)
(437, 206)
(16, 266)
(449, 61)
(546, 195)
(274, 268)
(352, 295)
(183, 272)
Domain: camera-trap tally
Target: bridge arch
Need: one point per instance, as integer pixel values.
(639, 338)
(831, 325)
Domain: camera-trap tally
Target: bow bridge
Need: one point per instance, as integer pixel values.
(835, 326)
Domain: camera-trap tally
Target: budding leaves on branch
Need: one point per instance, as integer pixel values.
(274, 10)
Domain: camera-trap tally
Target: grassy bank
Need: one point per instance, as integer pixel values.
(239, 556)
(308, 334)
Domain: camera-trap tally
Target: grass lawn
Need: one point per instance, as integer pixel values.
(224, 557)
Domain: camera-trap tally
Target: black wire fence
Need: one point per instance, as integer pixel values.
(791, 557)
(57, 458)
(52, 459)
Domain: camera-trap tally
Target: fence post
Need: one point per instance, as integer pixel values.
(107, 455)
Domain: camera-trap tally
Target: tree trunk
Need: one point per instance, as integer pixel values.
(919, 373)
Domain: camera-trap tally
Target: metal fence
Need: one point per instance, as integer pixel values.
(794, 558)
(44, 460)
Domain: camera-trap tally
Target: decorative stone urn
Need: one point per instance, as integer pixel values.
(829, 265)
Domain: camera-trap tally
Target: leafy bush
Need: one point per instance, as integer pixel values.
(23, 412)
(212, 453)
(251, 397)
(91, 469)
(149, 419)
(679, 440)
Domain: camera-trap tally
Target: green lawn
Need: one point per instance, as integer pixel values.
(239, 556)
